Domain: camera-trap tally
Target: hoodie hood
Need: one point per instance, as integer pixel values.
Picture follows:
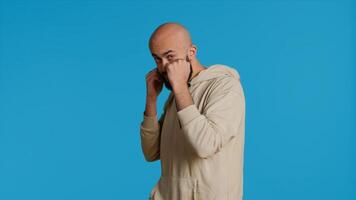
(215, 71)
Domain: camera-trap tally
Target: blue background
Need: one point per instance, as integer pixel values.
(72, 94)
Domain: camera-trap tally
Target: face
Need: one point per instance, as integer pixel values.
(164, 76)
(167, 47)
(163, 56)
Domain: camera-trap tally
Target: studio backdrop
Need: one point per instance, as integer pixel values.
(72, 94)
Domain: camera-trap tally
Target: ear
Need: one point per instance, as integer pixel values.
(192, 52)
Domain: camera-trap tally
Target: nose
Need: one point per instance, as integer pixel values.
(162, 66)
(164, 63)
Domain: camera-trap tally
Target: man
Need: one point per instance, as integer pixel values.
(199, 138)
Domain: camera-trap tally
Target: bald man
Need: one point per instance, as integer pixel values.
(199, 137)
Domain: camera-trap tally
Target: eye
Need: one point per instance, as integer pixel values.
(170, 57)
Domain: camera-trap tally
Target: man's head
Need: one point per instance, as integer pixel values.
(168, 42)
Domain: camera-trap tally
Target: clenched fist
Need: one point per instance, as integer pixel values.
(178, 73)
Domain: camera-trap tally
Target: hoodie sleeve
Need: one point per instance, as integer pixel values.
(150, 132)
(210, 131)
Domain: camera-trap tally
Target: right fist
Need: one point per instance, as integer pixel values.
(154, 84)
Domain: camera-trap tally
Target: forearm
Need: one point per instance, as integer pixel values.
(150, 138)
(151, 107)
(183, 97)
(208, 133)
(150, 131)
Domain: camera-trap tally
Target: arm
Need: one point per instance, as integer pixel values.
(150, 133)
(210, 131)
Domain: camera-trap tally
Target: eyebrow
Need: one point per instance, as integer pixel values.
(167, 52)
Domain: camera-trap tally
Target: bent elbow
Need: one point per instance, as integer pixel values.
(151, 158)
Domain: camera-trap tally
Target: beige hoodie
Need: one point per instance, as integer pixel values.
(201, 147)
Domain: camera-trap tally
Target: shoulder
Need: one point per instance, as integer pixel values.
(226, 83)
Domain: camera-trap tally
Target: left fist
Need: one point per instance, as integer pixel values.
(178, 73)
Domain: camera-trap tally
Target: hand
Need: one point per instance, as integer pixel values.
(178, 73)
(153, 84)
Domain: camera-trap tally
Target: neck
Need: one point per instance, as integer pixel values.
(197, 67)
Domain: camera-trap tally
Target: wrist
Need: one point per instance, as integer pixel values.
(151, 99)
(181, 89)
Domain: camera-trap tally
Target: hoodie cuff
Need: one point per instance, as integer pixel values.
(187, 114)
(150, 122)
